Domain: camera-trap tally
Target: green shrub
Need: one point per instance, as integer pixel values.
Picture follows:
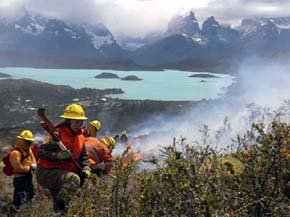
(194, 181)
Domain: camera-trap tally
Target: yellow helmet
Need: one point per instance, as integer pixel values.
(74, 112)
(109, 141)
(97, 124)
(124, 132)
(26, 135)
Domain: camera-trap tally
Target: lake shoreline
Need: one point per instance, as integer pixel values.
(167, 85)
(21, 98)
(143, 69)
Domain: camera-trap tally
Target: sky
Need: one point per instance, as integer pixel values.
(140, 17)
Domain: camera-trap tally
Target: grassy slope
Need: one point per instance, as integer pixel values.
(194, 182)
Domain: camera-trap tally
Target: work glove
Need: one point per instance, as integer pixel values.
(62, 155)
(86, 173)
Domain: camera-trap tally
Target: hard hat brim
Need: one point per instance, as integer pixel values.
(73, 118)
(20, 137)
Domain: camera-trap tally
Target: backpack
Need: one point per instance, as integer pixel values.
(7, 169)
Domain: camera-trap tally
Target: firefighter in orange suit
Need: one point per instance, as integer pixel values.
(100, 154)
(61, 171)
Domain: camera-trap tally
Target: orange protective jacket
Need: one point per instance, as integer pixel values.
(21, 160)
(98, 153)
(74, 143)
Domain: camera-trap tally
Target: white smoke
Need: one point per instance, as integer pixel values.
(260, 94)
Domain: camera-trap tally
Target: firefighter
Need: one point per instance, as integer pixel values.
(92, 129)
(124, 137)
(109, 141)
(100, 154)
(61, 171)
(22, 163)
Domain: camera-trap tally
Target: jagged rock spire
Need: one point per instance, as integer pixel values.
(187, 25)
(191, 14)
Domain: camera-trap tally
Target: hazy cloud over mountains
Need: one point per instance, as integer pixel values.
(139, 17)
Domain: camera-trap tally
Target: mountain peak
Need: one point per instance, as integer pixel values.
(213, 31)
(262, 28)
(280, 22)
(211, 21)
(186, 25)
(210, 26)
(191, 15)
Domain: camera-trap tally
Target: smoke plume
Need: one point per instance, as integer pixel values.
(260, 94)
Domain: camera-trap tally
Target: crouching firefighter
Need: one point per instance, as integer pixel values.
(63, 159)
(20, 164)
(100, 154)
(92, 129)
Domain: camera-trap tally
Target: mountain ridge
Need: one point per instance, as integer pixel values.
(61, 44)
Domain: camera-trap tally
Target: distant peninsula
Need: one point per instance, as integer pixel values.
(107, 75)
(131, 78)
(203, 76)
(4, 75)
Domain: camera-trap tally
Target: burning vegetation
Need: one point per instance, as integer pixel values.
(191, 181)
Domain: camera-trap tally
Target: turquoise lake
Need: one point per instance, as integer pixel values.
(167, 85)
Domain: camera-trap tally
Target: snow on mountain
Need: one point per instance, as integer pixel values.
(248, 28)
(71, 33)
(186, 26)
(36, 33)
(31, 24)
(99, 41)
(265, 35)
(263, 26)
(184, 40)
(213, 31)
(99, 35)
(281, 22)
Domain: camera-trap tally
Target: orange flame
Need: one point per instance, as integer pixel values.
(139, 156)
(132, 156)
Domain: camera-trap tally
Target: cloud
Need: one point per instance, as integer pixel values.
(10, 8)
(264, 1)
(233, 11)
(139, 17)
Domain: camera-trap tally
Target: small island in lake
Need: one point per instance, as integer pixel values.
(107, 75)
(203, 76)
(4, 75)
(131, 78)
(203, 81)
